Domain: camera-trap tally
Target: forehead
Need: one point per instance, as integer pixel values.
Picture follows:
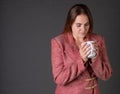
(81, 19)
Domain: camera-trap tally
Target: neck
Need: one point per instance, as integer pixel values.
(81, 39)
(78, 41)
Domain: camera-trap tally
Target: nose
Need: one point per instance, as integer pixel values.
(83, 28)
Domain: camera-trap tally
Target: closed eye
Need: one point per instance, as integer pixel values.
(78, 24)
(87, 24)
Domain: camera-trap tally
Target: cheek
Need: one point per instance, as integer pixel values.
(88, 27)
(74, 29)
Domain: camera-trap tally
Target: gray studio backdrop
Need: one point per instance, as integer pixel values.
(26, 28)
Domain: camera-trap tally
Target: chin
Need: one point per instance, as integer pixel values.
(81, 36)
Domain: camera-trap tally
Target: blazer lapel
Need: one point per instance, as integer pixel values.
(71, 48)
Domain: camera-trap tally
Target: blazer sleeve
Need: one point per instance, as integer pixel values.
(101, 65)
(64, 71)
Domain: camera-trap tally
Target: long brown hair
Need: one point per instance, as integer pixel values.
(74, 11)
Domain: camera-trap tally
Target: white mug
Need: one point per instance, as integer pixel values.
(92, 52)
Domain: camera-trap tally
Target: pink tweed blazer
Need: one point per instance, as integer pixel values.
(70, 74)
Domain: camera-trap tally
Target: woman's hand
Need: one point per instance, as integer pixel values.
(96, 50)
(84, 51)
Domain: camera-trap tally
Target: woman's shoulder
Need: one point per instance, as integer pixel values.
(59, 37)
(97, 36)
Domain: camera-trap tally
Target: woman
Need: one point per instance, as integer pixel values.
(73, 71)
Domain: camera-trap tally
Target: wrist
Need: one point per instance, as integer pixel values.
(85, 60)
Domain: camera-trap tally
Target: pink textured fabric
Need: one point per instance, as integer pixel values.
(70, 74)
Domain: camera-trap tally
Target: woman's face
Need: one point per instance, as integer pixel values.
(80, 26)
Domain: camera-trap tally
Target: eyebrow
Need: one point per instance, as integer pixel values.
(81, 23)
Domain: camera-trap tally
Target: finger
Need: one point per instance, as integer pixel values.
(87, 53)
(83, 45)
(96, 48)
(95, 45)
(87, 49)
(87, 46)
